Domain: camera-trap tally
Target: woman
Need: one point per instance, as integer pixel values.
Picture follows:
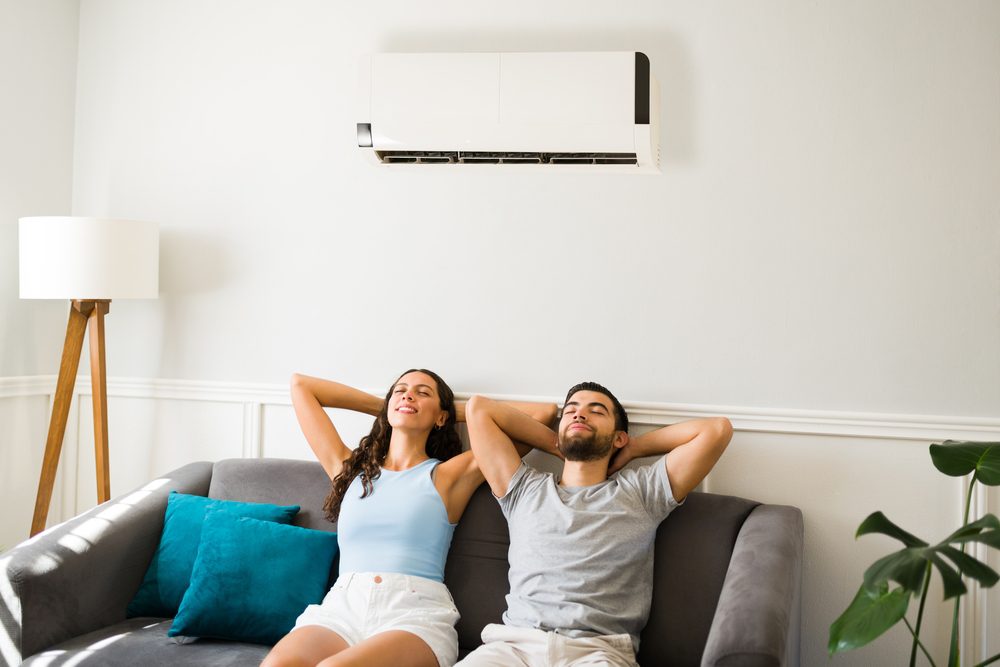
(396, 498)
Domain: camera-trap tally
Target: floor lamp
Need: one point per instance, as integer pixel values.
(89, 261)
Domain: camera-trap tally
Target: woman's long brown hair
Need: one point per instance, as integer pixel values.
(442, 444)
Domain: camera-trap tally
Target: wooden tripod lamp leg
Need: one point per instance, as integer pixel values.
(98, 383)
(75, 329)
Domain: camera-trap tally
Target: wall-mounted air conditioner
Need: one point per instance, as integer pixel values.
(574, 110)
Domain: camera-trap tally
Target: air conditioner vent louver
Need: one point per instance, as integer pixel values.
(502, 157)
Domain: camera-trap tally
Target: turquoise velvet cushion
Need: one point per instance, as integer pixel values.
(170, 570)
(253, 578)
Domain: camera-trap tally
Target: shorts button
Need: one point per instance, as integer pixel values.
(378, 579)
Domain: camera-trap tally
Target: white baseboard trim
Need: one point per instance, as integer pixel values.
(767, 420)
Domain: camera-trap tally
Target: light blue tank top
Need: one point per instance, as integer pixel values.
(402, 526)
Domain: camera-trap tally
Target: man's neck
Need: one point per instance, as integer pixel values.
(584, 473)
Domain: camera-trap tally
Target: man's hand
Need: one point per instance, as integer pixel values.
(621, 458)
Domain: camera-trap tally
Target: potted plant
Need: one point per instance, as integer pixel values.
(892, 582)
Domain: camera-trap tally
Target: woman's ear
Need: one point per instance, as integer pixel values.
(441, 420)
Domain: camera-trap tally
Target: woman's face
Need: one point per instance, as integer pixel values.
(414, 403)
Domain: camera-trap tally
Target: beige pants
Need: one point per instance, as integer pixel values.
(506, 646)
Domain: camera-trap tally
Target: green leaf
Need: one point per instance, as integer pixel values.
(972, 528)
(869, 615)
(952, 580)
(905, 567)
(958, 458)
(971, 567)
(879, 523)
(990, 538)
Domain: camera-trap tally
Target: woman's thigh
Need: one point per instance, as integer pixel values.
(307, 645)
(393, 648)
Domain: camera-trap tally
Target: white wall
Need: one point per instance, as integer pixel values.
(37, 92)
(825, 235)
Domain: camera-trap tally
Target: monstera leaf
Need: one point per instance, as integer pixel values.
(876, 608)
(958, 458)
(868, 617)
(907, 566)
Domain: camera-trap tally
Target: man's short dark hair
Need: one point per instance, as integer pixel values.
(621, 419)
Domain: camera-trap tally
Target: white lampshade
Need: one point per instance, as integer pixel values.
(64, 257)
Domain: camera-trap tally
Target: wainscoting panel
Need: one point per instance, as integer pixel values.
(837, 482)
(150, 437)
(23, 426)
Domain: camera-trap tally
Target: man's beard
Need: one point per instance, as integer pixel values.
(586, 447)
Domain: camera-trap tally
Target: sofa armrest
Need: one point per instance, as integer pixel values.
(81, 574)
(757, 619)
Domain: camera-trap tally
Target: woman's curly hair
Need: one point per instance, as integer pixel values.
(442, 444)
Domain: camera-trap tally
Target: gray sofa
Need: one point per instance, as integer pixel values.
(727, 573)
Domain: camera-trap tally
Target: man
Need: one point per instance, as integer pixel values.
(581, 547)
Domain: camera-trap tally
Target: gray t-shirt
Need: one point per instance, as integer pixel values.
(581, 558)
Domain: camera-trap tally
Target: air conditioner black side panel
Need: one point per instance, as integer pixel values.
(641, 88)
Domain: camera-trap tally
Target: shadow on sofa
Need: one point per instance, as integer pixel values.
(726, 592)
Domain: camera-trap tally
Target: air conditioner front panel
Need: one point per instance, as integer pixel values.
(417, 89)
(546, 137)
(549, 88)
(539, 103)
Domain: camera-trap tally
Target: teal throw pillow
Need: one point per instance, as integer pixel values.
(170, 570)
(253, 578)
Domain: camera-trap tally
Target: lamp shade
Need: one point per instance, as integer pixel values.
(64, 257)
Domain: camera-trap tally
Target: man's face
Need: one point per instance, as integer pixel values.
(587, 427)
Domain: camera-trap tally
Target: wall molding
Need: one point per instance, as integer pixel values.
(254, 396)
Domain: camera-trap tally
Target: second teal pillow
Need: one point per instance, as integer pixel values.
(253, 578)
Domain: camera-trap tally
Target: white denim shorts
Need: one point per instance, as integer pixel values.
(508, 646)
(363, 604)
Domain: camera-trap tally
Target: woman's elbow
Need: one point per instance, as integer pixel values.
(476, 406)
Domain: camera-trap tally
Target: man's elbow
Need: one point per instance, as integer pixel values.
(551, 411)
(724, 431)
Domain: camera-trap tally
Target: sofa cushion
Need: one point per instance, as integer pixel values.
(169, 572)
(253, 578)
(476, 570)
(144, 641)
(693, 548)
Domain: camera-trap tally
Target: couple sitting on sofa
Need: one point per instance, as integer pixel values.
(581, 547)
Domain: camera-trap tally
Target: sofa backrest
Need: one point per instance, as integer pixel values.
(693, 549)
(279, 481)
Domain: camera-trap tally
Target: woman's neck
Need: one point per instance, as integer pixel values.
(406, 449)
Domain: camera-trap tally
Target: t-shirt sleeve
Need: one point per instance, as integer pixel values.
(516, 488)
(653, 486)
